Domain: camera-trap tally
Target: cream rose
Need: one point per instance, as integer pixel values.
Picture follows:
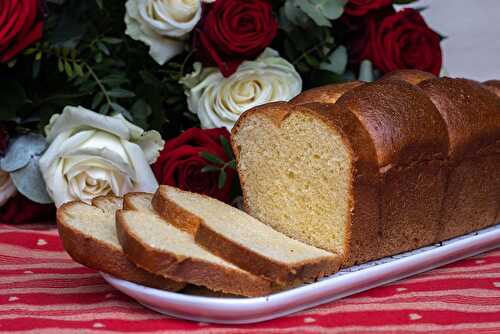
(220, 101)
(7, 188)
(92, 154)
(162, 24)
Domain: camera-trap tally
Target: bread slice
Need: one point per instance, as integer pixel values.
(89, 236)
(157, 246)
(243, 240)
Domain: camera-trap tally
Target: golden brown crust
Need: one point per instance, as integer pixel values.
(245, 258)
(411, 76)
(101, 202)
(188, 269)
(176, 215)
(470, 111)
(404, 127)
(472, 115)
(325, 94)
(493, 86)
(105, 257)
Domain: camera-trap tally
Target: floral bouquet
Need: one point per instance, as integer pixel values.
(100, 97)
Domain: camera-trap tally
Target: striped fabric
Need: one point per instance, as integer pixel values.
(43, 291)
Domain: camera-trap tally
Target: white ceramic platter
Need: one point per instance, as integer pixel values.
(346, 282)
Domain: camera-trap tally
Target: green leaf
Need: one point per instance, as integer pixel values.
(78, 69)
(320, 11)
(112, 40)
(141, 110)
(210, 168)
(119, 109)
(38, 55)
(311, 11)
(97, 100)
(211, 158)
(103, 48)
(60, 65)
(227, 147)
(36, 69)
(337, 61)
(68, 69)
(100, 4)
(114, 80)
(104, 109)
(120, 93)
(332, 9)
(232, 164)
(222, 179)
(366, 71)
(98, 58)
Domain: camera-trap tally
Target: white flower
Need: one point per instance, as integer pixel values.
(220, 101)
(162, 24)
(92, 154)
(7, 188)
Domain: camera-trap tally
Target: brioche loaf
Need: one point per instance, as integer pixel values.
(88, 234)
(157, 246)
(241, 239)
(494, 86)
(471, 114)
(367, 176)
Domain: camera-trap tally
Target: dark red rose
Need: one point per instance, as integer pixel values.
(404, 41)
(20, 210)
(21, 24)
(231, 31)
(180, 163)
(357, 31)
(362, 7)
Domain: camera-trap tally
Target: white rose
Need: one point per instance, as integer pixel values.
(220, 101)
(92, 154)
(7, 188)
(162, 24)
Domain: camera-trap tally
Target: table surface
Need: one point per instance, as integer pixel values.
(43, 291)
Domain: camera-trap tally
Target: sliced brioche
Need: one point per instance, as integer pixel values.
(157, 246)
(243, 240)
(89, 236)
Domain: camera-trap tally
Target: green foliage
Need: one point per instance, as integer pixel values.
(86, 59)
(217, 165)
(308, 42)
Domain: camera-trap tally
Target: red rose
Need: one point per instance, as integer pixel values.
(404, 41)
(180, 163)
(362, 7)
(20, 210)
(21, 24)
(234, 30)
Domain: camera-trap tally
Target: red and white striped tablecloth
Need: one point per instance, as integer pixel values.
(43, 291)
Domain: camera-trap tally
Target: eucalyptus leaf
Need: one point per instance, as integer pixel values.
(222, 179)
(97, 100)
(211, 158)
(22, 151)
(312, 11)
(227, 147)
(332, 9)
(29, 182)
(209, 168)
(337, 61)
(366, 71)
(120, 93)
